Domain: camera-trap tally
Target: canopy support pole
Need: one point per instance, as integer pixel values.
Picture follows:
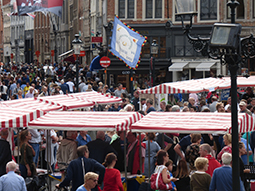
(140, 152)
(18, 145)
(125, 154)
(149, 158)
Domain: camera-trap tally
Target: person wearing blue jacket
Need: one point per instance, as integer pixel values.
(79, 167)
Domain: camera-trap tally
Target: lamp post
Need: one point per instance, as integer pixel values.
(77, 49)
(224, 44)
(154, 51)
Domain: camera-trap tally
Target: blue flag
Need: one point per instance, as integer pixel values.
(126, 44)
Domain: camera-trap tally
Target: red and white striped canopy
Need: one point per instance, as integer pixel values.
(13, 117)
(32, 104)
(199, 85)
(66, 102)
(189, 122)
(93, 121)
(98, 98)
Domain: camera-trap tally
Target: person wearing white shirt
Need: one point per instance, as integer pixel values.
(70, 85)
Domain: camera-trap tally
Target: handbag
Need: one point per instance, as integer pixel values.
(157, 181)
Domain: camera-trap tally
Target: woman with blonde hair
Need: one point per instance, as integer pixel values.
(89, 88)
(228, 148)
(19, 95)
(90, 182)
(200, 180)
(26, 166)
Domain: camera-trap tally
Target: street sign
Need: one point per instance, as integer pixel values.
(97, 39)
(37, 53)
(82, 53)
(52, 52)
(11, 55)
(105, 61)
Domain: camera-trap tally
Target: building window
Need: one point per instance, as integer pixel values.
(239, 10)
(158, 8)
(208, 9)
(126, 9)
(253, 10)
(153, 9)
(131, 7)
(182, 47)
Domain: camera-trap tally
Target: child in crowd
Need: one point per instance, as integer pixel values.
(169, 166)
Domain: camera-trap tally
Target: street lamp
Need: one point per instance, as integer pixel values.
(224, 44)
(77, 49)
(154, 51)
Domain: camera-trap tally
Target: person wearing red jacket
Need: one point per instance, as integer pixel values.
(112, 177)
(204, 151)
(133, 159)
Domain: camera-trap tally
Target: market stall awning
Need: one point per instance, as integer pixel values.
(66, 102)
(98, 98)
(189, 122)
(66, 53)
(177, 66)
(13, 117)
(93, 121)
(205, 66)
(31, 103)
(198, 85)
(188, 86)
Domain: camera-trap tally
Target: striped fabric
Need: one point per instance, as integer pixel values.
(93, 121)
(199, 85)
(31, 104)
(98, 98)
(13, 117)
(66, 102)
(189, 122)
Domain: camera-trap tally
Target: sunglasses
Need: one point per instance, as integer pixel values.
(95, 180)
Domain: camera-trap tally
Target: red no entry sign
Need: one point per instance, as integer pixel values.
(105, 61)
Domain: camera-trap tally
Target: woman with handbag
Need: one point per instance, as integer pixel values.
(26, 166)
(161, 180)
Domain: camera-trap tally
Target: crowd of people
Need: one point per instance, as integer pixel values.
(95, 160)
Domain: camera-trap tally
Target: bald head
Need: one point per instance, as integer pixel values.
(100, 135)
(11, 166)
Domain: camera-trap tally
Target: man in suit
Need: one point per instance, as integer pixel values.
(5, 151)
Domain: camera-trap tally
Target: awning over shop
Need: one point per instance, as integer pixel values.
(177, 66)
(95, 65)
(31, 103)
(199, 85)
(98, 98)
(70, 59)
(13, 117)
(84, 121)
(66, 102)
(205, 66)
(66, 53)
(186, 122)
